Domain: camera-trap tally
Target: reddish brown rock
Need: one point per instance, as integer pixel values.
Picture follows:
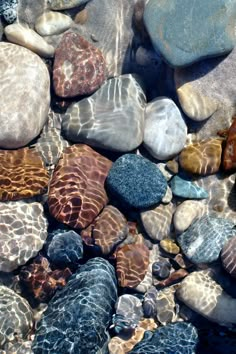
(229, 156)
(79, 67)
(228, 256)
(40, 281)
(132, 264)
(174, 277)
(22, 174)
(76, 192)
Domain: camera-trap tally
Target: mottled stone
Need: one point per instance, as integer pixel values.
(205, 238)
(161, 269)
(186, 189)
(76, 192)
(21, 119)
(8, 9)
(174, 26)
(228, 256)
(16, 316)
(229, 156)
(66, 4)
(203, 295)
(52, 22)
(166, 306)
(165, 131)
(112, 118)
(150, 303)
(157, 222)
(28, 38)
(79, 67)
(169, 246)
(21, 347)
(22, 234)
(22, 174)
(178, 338)
(136, 182)
(131, 264)
(186, 213)
(77, 316)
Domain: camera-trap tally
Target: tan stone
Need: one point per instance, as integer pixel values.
(52, 22)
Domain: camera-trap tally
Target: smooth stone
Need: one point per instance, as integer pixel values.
(173, 166)
(81, 17)
(186, 213)
(66, 4)
(174, 278)
(16, 316)
(186, 189)
(169, 246)
(28, 11)
(22, 347)
(116, 124)
(228, 256)
(165, 131)
(167, 174)
(21, 119)
(161, 269)
(79, 67)
(168, 196)
(157, 222)
(28, 38)
(203, 241)
(136, 182)
(52, 22)
(166, 306)
(78, 315)
(173, 27)
(206, 86)
(203, 295)
(229, 155)
(22, 234)
(149, 302)
(202, 158)
(178, 338)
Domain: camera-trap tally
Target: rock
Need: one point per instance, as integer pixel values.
(157, 222)
(51, 22)
(229, 156)
(16, 316)
(173, 166)
(166, 172)
(28, 38)
(84, 171)
(22, 234)
(228, 256)
(136, 182)
(168, 196)
(202, 158)
(173, 278)
(109, 229)
(81, 17)
(66, 4)
(22, 347)
(178, 338)
(79, 68)
(205, 238)
(80, 313)
(115, 124)
(169, 246)
(203, 295)
(166, 306)
(16, 114)
(175, 33)
(22, 174)
(186, 189)
(28, 11)
(186, 213)
(165, 131)
(161, 269)
(66, 249)
(131, 264)
(204, 87)
(150, 303)
(8, 9)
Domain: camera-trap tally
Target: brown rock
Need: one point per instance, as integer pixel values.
(202, 158)
(228, 257)
(229, 156)
(81, 17)
(174, 277)
(169, 246)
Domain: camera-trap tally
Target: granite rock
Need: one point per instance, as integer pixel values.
(8, 9)
(184, 188)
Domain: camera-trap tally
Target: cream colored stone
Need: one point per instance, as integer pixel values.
(28, 38)
(168, 196)
(50, 23)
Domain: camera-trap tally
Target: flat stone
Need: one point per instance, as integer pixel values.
(79, 68)
(20, 119)
(165, 131)
(84, 171)
(149, 302)
(169, 246)
(173, 27)
(115, 124)
(202, 158)
(203, 295)
(136, 182)
(52, 22)
(186, 189)
(228, 256)
(66, 4)
(203, 241)
(80, 313)
(30, 39)
(22, 234)
(229, 156)
(166, 306)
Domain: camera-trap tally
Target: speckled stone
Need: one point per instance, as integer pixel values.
(205, 238)
(8, 9)
(186, 189)
(136, 182)
(52, 22)
(178, 338)
(174, 26)
(165, 131)
(80, 313)
(228, 256)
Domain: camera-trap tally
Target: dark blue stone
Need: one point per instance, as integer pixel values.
(186, 189)
(136, 182)
(174, 338)
(77, 317)
(161, 269)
